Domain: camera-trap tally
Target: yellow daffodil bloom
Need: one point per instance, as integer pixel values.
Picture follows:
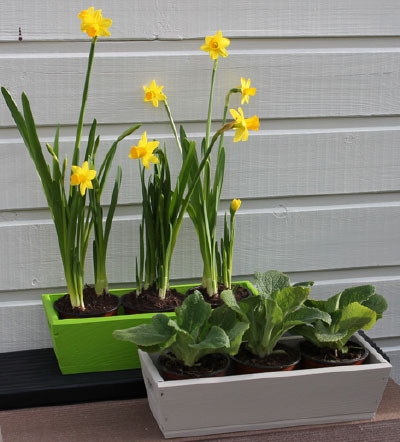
(94, 24)
(215, 45)
(246, 90)
(144, 150)
(235, 204)
(153, 93)
(82, 176)
(243, 125)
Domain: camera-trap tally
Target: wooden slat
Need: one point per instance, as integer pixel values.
(133, 19)
(270, 164)
(297, 239)
(290, 84)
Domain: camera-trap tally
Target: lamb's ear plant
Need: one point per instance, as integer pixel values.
(352, 309)
(195, 332)
(204, 202)
(72, 220)
(276, 309)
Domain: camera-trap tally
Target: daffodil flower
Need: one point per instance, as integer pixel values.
(243, 125)
(82, 176)
(94, 24)
(235, 204)
(246, 90)
(144, 150)
(153, 93)
(215, 45)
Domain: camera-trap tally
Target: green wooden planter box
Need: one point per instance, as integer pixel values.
(87, 345)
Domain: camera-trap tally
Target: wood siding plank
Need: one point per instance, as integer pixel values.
(295, 239)
(169, 19)
(270, 164)
(290, 84)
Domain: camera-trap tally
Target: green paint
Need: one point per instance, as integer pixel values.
(87, 345)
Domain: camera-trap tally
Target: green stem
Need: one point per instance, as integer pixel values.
(232, 91)
(75, 159)
(231, 243)
(171, 120)
(210, 103)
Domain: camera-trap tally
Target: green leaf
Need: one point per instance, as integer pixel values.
(308, 315)
(325, 335)
(230, 301)
(193, 314)
(356, 316)
(158, 332)
(268, 282)
(304, 284)
(290, 299)
(215, 339)
(356, 294)
(333, 303)
(377, 303)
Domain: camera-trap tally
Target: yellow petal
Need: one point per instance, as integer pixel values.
(91, 174)
(83, 188)
(234, 114)
(153, 159)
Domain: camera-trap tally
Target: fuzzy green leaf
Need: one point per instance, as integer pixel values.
(271, 281)
(193, 314)
(158, 332)
(290, 299)
(356, 294)
(377, 303)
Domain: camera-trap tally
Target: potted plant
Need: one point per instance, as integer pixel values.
(72, 220)
(328, 342)
(273, 399)
(193, 344)
(277, 308)
(225, 253)
(205, 198)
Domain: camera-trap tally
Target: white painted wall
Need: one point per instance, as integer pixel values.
(319, 183)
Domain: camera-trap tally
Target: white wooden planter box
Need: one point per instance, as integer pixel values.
(266, 400)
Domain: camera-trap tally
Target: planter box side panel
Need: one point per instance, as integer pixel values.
(274, 399)
(87, 345)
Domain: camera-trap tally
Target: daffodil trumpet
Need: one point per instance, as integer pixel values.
(225, 253)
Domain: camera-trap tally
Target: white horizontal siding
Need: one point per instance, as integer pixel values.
(272, 164)
(292, 239)
(178, 19)
(319, 183)
(295, 83)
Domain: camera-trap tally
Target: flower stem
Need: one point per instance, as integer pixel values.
(232, 91)
(171, 120)
(210, 102)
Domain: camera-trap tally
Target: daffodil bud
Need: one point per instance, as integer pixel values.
(235, 204)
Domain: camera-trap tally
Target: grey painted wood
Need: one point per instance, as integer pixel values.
(174, 19)
(274, 163)
(334, 83)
